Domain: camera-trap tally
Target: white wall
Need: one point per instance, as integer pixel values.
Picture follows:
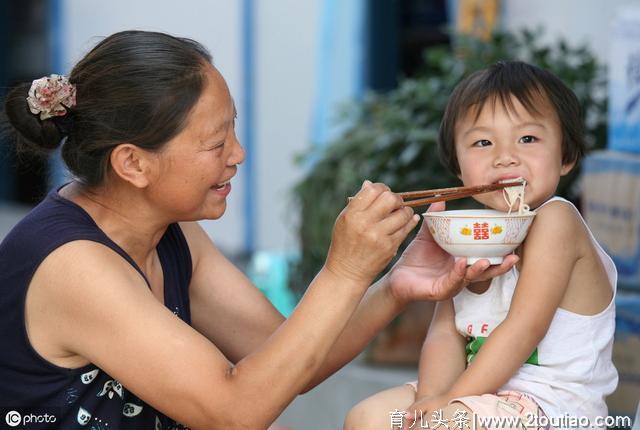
(285, 55)
(577, 21)
(286, 52)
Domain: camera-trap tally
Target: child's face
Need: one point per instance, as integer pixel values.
(504, 144)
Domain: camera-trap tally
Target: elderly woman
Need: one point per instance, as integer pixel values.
(118, 311)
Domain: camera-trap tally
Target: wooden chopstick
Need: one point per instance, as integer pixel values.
(426, 197)
(453, 193)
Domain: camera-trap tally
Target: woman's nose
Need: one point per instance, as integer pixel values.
(237, 155)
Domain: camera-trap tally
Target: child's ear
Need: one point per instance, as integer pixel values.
(567, 167)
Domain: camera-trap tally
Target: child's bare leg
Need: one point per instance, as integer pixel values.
(373, 412)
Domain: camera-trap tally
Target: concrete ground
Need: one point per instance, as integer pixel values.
(326, 406)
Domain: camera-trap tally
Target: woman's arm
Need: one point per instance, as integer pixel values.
(99, 308)
(549, 255)
(225, 306)
(424, 272)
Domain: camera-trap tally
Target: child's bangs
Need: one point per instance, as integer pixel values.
(501, 89)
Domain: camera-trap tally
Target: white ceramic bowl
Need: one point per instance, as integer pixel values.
(480, 233)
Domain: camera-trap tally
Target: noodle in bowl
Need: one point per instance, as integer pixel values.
(480, 233)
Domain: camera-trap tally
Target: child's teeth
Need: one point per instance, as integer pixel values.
(518, 179)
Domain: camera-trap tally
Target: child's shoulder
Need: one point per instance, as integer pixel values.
(557, 221)
(558, 211)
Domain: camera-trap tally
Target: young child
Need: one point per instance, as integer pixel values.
(534, 343)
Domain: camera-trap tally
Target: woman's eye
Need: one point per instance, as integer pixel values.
(528, 139)
(482, 143)
(218, 146)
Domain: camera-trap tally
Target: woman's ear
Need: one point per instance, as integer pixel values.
(132, 163)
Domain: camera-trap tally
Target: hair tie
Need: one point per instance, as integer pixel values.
(51, 96)
(64, 124)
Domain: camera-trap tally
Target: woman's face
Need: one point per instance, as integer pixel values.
(196, 167)
(502, 144)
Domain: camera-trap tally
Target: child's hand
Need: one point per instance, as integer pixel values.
(427, 272)
(422, 410)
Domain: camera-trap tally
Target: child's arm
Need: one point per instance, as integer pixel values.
(549, 256)
(442, 359)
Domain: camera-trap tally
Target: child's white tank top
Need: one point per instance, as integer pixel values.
(570, 373)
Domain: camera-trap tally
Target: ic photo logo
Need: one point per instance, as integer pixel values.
(13, 418)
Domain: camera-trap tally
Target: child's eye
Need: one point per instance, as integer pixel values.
(528, 139)
(481, 143)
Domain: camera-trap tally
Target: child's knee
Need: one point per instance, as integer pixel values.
(362, 416)
(373, 413)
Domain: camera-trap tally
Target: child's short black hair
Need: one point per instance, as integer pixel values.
(526, 83)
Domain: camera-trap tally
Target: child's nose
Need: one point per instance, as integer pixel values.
(505, 158)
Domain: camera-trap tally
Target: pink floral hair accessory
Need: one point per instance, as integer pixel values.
(51, 96)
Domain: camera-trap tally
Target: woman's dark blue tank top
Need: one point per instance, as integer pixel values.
(87, 397)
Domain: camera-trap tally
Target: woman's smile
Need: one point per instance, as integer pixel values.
(223, 189)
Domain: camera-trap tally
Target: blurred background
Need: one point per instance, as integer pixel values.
(330, 93)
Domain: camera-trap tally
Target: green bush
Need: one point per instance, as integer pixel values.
(391, 137)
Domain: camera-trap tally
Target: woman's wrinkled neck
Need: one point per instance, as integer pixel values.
(122, 213)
